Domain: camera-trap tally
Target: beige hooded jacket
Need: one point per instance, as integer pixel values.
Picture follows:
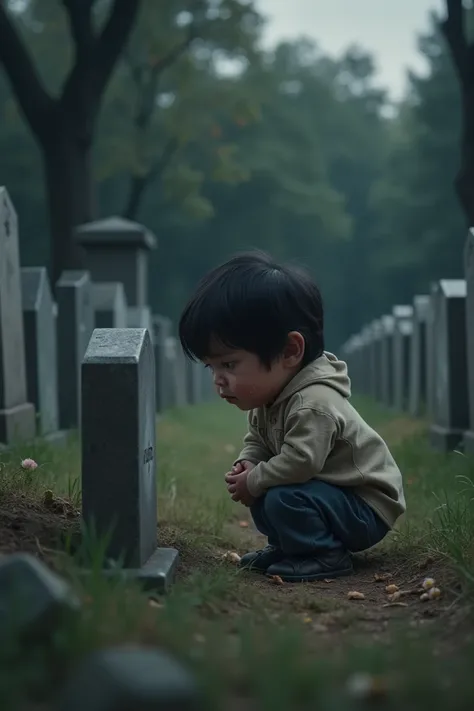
(312, 431)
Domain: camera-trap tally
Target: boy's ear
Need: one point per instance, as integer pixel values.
(294, 350)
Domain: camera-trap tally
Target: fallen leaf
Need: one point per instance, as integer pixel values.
(232, 557)
(154, 603)
(395, 596)
(243, 524)
(390, 589)
(276, 579)
(355, 595)
(382, 577)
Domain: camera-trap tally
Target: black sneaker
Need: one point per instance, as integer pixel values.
(259, 561)
(329, 565)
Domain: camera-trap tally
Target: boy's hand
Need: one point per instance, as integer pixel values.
(237, 483)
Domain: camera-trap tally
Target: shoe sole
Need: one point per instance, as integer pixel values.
(317, 576)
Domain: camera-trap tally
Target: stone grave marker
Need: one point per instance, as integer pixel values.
(118, 250)
(75, 323)
(418, 357)
(402, 333)
(469, 272)
(33, 599)
(386, 360)
(140, 317)
(17, 415)
(109, 305)
(162, 327)
(375, 360)
(39, 323)
(451, 405)
(130, 678)
(194, 382)
(119, 452)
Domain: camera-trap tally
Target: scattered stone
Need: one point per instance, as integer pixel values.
(390, 589)
(395, 596)
(424, 597)
(434, 593)
(382, 577)
(276, 580)
(232, 557)
(130, 679)
(33, 599)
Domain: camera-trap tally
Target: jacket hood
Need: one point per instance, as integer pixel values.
(325, 370)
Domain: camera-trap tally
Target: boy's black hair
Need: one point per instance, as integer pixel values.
(252, 303)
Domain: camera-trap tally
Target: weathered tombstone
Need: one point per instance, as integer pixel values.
(375, 359)
(140, 317)
(117, 250)
(469, 271)
(366, 338)
(119, 452)
(193, 381)
(179, 373)
(109, 305)
(163, 363)
(402, 333)
(33, 599)
(17, 415)
(451, 415)
(75, 323)
(418, 357)
(386, 354)
(130, 678)
(39, 323)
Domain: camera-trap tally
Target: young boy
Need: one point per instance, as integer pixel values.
(320, 483)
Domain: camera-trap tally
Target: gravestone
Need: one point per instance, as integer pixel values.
(387, 325)
(418, 357)
(75, 323)
(451, 404)
(118, 250)
(109, 305)
(366, 339)
(130, 679)
(179, 374)
(140, 317)
(469, 271)
(119, 452)
(375, 359)
(162, 327)
(194, 383)
(17, 415)
(402, 333)
(33, 599)
(39, 321)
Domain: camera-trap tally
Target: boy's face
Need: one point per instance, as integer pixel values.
(242, 380)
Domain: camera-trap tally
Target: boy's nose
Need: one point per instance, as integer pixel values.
(219, 380)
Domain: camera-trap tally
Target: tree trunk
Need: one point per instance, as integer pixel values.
(67, 165)
(465, 177)
(138, 184)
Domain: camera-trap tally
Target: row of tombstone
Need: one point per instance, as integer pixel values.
(43, 339)
(419, 359)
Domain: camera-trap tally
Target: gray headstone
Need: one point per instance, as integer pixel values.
(451, 408)
(33, 599)
(469, 272)
(39, 322)
(117, 250)
(109, 305)
(180, 375)
(162, 328)
(140, 317)
(402, 333)
(130, 679)
(75, 323)
(387, 363)
(17, 415)
(119, 452)
(194, 373)
(418, 357)
(375, 360)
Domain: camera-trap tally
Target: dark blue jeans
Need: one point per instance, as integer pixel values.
(315, 517)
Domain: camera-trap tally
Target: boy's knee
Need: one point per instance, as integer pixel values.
(277, 497)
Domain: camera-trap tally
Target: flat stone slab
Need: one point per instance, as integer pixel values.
(130, 679)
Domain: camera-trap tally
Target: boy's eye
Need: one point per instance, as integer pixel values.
(230, 365)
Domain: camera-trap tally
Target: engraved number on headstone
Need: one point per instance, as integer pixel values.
(148, 455)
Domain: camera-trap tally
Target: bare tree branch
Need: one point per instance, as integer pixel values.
(80, 23)
(34, 101)
(453, 28)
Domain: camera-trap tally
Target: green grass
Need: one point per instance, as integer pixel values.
(247, 642)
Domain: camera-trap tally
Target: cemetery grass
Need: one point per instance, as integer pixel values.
(251, 641)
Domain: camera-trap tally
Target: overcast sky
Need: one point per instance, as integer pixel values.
(388, 28)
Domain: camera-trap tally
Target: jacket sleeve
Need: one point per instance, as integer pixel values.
(308, 439)
(254, 449)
